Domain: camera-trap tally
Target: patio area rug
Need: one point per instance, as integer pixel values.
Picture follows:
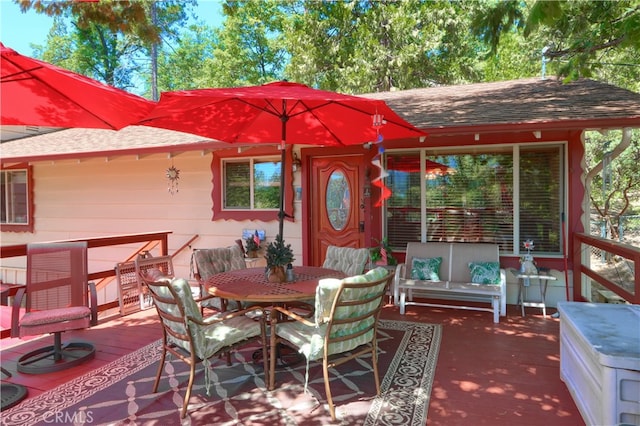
(120, 393)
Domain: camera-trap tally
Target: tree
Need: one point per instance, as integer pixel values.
(118, 16)
(585, 38)
(615, 187)
(188, 65)
(250, 47)
(109, 40)
(359, 46)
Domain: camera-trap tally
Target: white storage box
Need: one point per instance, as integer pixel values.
(600, 360)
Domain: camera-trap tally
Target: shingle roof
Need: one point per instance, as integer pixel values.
(531, 101)
(526, 104)
(77, 143)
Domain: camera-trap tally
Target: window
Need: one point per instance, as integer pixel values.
(499, 195)
(246, 183)
(252, 184)
(16, 204)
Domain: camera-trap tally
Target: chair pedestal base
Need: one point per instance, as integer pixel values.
(55, 358)
(11, 393)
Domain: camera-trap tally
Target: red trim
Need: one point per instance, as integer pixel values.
(373, 227)
(5, 227)
(576, 191)
(257, 151)
(564, 125)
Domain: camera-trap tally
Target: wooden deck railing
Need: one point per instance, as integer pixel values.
(161, 237)
(628, 285)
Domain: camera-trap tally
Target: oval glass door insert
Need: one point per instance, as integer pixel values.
(338, 200)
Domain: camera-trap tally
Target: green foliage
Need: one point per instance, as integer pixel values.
(127, 17)
(376, 255)
(106, 40)
(615, 191)
(250, 244)
(359, 47)
(349, 46)
(597, 39)
(278, 253)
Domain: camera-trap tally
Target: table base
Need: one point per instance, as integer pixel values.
(288, 356)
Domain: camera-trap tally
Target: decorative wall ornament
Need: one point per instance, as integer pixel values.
(173, 175)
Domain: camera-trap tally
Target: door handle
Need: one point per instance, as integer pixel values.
(361, 226)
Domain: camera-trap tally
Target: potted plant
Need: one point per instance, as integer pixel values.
(527, 264)
(278, 255)
(382, 254)
(252, 245)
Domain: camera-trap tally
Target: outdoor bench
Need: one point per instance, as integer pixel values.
(454, 278)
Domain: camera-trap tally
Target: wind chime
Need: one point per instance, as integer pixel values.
(173, 175)
(378, 122)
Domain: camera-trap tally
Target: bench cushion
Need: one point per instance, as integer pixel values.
(485, 272)
(426, 268)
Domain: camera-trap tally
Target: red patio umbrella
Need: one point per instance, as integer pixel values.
(36, 93)
(282, 113)
(412, 164)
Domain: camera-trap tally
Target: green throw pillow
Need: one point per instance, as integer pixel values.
(485, 272)
(426, 268)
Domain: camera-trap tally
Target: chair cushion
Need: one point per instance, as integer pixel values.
(325, 294)
(216, 260)
(183, 289)
(310, 340)
(349, 260)
(55, 320)
(210, 339)
(328, 288)
(54, 315)
(376, 274)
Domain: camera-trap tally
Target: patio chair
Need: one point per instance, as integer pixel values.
(205, 263)
(345, 325)
(192, 338)
(349, 260)
(56, 299)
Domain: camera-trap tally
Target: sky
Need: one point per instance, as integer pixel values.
(18, 30)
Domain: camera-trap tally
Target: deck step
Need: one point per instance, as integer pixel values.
(608, 296)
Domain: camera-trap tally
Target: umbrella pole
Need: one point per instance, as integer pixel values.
(281, 213)
(283, 118)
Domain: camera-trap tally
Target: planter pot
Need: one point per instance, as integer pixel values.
(276, 274)
(252, 254)
(528, 266)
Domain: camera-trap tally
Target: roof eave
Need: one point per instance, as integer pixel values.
(568, 125)
(138, 151)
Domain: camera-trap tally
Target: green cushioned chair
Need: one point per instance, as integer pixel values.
(192, 338)
(349, 260)
(345, 323)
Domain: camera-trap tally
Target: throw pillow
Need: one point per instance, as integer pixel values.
(485, 272)
(426, 268)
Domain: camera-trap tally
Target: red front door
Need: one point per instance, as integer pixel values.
(337, 207)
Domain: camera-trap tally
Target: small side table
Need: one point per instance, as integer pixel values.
(524, 282)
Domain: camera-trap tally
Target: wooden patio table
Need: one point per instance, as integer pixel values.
(251, 285)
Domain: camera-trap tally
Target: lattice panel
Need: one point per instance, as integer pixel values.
(133, 295)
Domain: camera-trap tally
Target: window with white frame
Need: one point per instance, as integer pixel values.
(251, 184)
(502, 195)
(15, 193)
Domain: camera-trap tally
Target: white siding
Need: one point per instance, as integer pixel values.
(123, 195)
